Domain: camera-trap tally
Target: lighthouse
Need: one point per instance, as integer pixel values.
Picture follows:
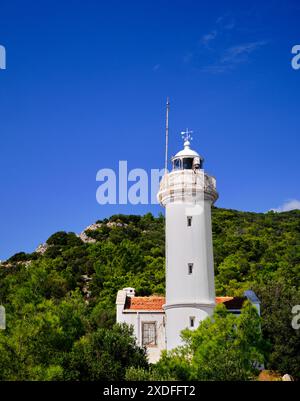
(187, 192)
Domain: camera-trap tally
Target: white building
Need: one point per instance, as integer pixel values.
(187, 193)
(147, 316)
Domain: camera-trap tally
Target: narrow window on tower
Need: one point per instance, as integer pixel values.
(189, 221)
(192, 321)
(190, 267)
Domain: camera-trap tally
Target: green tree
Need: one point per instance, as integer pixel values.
(105, 355)
(277, 300)
(223, 347)
(34, 344)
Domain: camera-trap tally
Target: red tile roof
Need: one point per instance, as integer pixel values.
(145, 303)
(220, 300)
(156, 303)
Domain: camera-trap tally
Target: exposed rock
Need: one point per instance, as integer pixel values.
(27, 263)
(84, 237)
(21, 262)
(93, 227)
(42, 248)
(116, 224)
(85, 277)
(85, 289)
(86, 292)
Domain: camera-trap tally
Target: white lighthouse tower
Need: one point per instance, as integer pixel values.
(187, 193)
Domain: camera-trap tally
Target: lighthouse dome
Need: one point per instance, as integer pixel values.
(187, 158)
(187, 151)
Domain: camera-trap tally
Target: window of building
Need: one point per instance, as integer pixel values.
(187, 163)
(177, 164)
(190, 267)
(192, 321)
(189, 221)
(148, 333)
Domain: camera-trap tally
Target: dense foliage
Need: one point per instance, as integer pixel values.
(60, 304)
(223, 347)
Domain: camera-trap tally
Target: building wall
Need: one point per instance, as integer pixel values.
(170, 324)
(188, 295)
(189, 245)
(136, 319)
(178, 319)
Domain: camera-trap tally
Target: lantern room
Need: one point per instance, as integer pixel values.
(187, 159)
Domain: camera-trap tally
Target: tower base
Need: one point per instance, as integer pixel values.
(184, 316)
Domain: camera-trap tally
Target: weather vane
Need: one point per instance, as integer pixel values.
(187, 135)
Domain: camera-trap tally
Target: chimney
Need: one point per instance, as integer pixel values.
(130, 292)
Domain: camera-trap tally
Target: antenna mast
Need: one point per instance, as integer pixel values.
(167, 134)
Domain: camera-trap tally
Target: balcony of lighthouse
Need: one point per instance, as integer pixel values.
(187, 185)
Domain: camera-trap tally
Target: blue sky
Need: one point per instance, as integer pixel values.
(85, 86)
